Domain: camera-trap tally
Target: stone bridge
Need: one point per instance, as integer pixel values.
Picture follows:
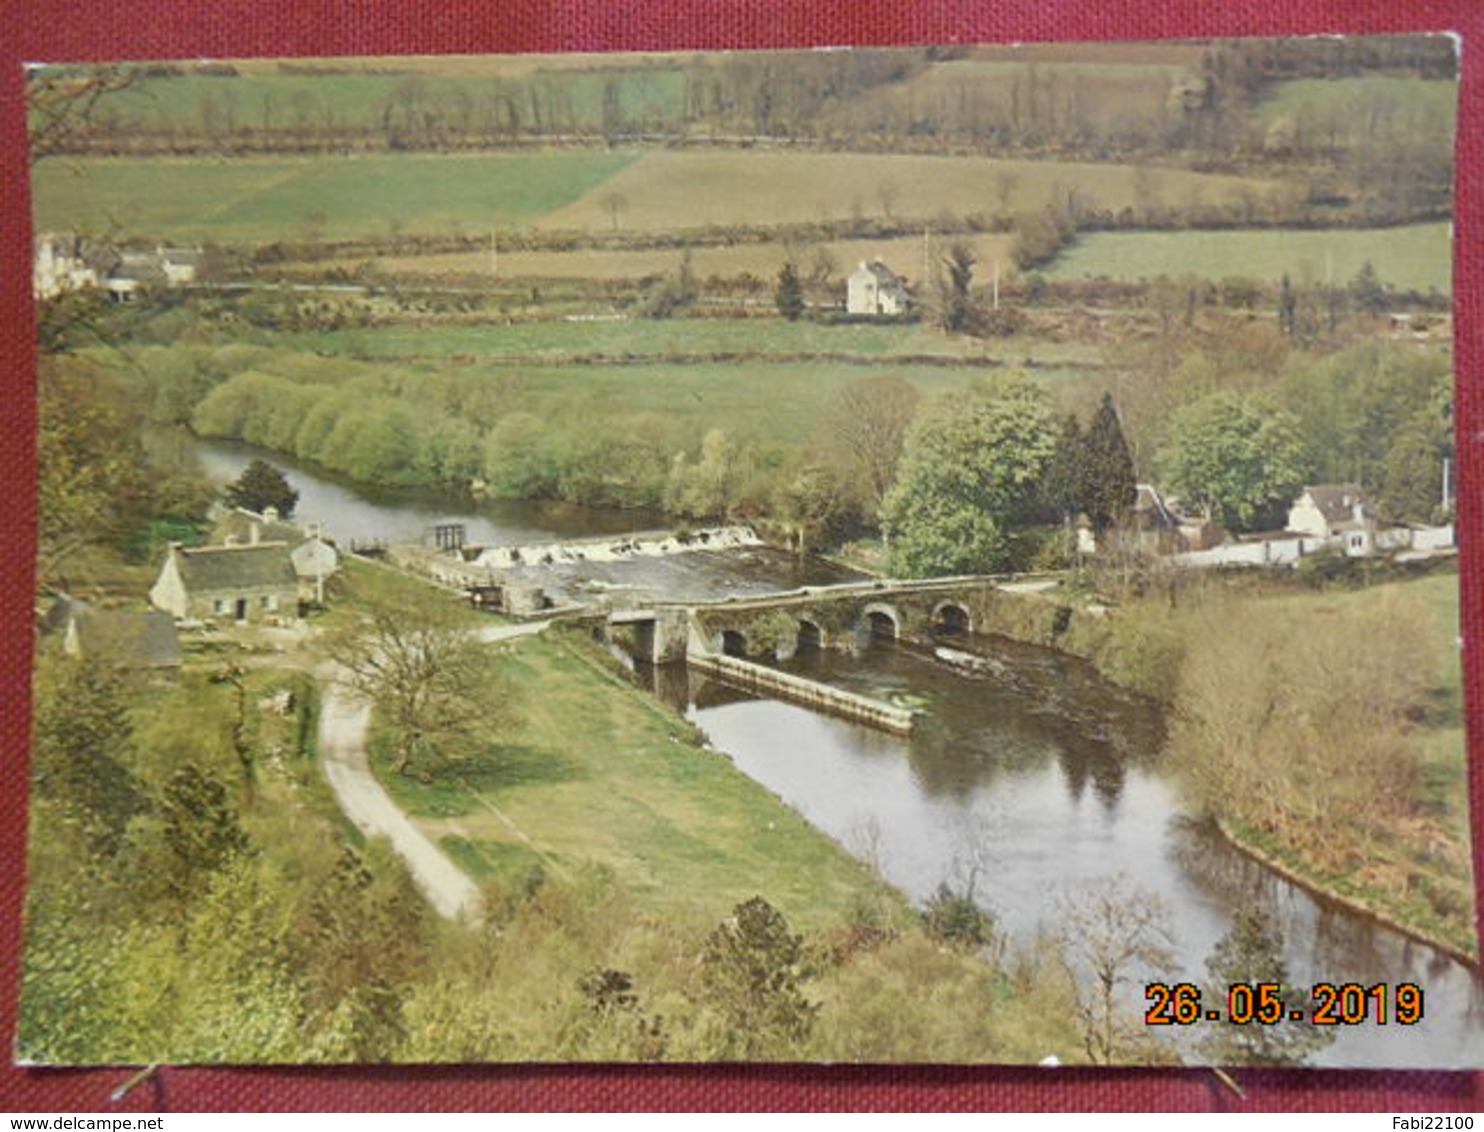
(841, 616)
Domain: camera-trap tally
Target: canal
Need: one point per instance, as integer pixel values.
(1030, 780)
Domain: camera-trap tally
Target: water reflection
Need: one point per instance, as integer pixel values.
(1039, 781)
(1028, 773)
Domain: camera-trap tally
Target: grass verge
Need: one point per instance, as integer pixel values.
(593, 772)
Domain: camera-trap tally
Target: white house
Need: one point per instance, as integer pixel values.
(1338, 512)
(874, 289)
(61, 265)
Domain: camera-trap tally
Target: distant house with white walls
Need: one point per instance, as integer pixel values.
(874, 289)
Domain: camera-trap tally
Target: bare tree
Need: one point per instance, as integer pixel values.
(421, 663)
(1113, 934)
(869, 418)
(62, 102)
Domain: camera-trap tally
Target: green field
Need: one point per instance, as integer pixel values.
(670, 189)
(262, 200)
(779, 403)
(1413, 258)
(370, 100)
(596, 773)
(255, 201)
(549, 340)
(1350, 112)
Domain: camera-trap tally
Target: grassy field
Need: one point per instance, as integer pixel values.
(1340, 110)
(339, 98)
(252, 201)
(763, 261)
(596, 773)
(1003, 91)
(551, 340)
(261, 200)
(667, 189)
(1417, 257)
(779, 404)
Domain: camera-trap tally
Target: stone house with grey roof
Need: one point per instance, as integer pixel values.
(251, 583)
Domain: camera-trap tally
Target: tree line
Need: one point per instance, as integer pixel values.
(859, 99)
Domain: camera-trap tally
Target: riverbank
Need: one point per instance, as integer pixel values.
(1326, 737)
(622, 839)
(1334, 892)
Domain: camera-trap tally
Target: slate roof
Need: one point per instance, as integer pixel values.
(207, 568)
(1336, 501)
(238, 524)
(129, 639)
(132, 640)
(886, 278)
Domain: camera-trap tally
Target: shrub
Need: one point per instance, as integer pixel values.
(954, 918)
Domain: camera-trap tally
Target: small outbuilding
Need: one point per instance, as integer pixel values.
(136, 641)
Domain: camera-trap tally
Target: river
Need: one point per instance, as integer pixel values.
(1030, 779)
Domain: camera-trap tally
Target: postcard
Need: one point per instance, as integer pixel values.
(875, 555)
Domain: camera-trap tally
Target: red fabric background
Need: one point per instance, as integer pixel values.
(80, 30)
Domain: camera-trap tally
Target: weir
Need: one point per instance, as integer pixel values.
(796, 689)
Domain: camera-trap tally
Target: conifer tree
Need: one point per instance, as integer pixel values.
(1251, 954)
(1107, 469)
(261, 486)
(1063, 486)
(789, 294)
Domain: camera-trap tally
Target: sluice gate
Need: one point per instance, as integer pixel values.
(752, 677)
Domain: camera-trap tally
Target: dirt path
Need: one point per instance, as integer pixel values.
(343, 727)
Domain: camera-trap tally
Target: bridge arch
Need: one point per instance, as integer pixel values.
(950, 617)
(810, 638)
(733, 642)
(880, 622)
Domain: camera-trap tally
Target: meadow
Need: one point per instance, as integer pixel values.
(262, 200)
(254, 201)
(554, 340)
(996, 95)
(668, 189)
(593, 774)
(1349, 112)
(350, 97)
(905, 254)
(1415, 257)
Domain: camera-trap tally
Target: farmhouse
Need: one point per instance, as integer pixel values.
(1338, 512)
(71, 263)
(1154, 525)
(233, 583)
(63, 263)
(315, 559)
(874, 289)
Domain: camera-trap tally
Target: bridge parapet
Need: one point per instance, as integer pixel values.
(844, 616)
